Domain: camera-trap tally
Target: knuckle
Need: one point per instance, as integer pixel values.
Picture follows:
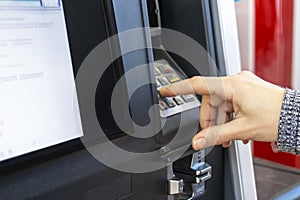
(194, 80)
(245, 73)
(194, 83)
(221, 139)
(240, 78)
(215, 135)
(230, 82)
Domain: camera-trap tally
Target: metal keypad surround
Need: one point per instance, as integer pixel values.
(166, 75)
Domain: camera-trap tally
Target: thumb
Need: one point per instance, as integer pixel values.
(217, 135)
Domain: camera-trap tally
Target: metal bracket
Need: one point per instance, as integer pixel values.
(199, 171)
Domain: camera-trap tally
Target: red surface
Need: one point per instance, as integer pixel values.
(264, 150)
(273, 45)
(273, 59)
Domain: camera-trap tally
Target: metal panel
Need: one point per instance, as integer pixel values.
(240, 157)
(245, 18)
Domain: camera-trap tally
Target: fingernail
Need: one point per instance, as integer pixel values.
(199, 143)
(165, 91)
(161, 90)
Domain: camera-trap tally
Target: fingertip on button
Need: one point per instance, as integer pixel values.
(162, 91)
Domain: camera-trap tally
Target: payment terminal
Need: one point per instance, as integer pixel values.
(77, 28)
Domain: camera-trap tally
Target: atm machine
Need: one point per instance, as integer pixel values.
(135, 144)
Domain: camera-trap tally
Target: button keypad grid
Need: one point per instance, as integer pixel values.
(166, 75)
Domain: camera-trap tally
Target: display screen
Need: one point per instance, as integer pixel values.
(38, 103)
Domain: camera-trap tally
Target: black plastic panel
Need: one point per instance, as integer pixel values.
(189, 17)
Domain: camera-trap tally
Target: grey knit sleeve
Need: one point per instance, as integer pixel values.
(289, 123)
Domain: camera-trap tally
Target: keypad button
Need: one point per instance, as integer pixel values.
(188, 98)
(158, 84)
(170, 102)
(178, 100)
(165, 69)
(162, 105)
(157, 72)
(173, 78)
(163, 81)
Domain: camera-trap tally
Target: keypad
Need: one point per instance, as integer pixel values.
(166, 75)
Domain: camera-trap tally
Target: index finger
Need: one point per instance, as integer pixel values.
(197, 85)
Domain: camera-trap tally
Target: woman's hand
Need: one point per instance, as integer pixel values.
(239, 107)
